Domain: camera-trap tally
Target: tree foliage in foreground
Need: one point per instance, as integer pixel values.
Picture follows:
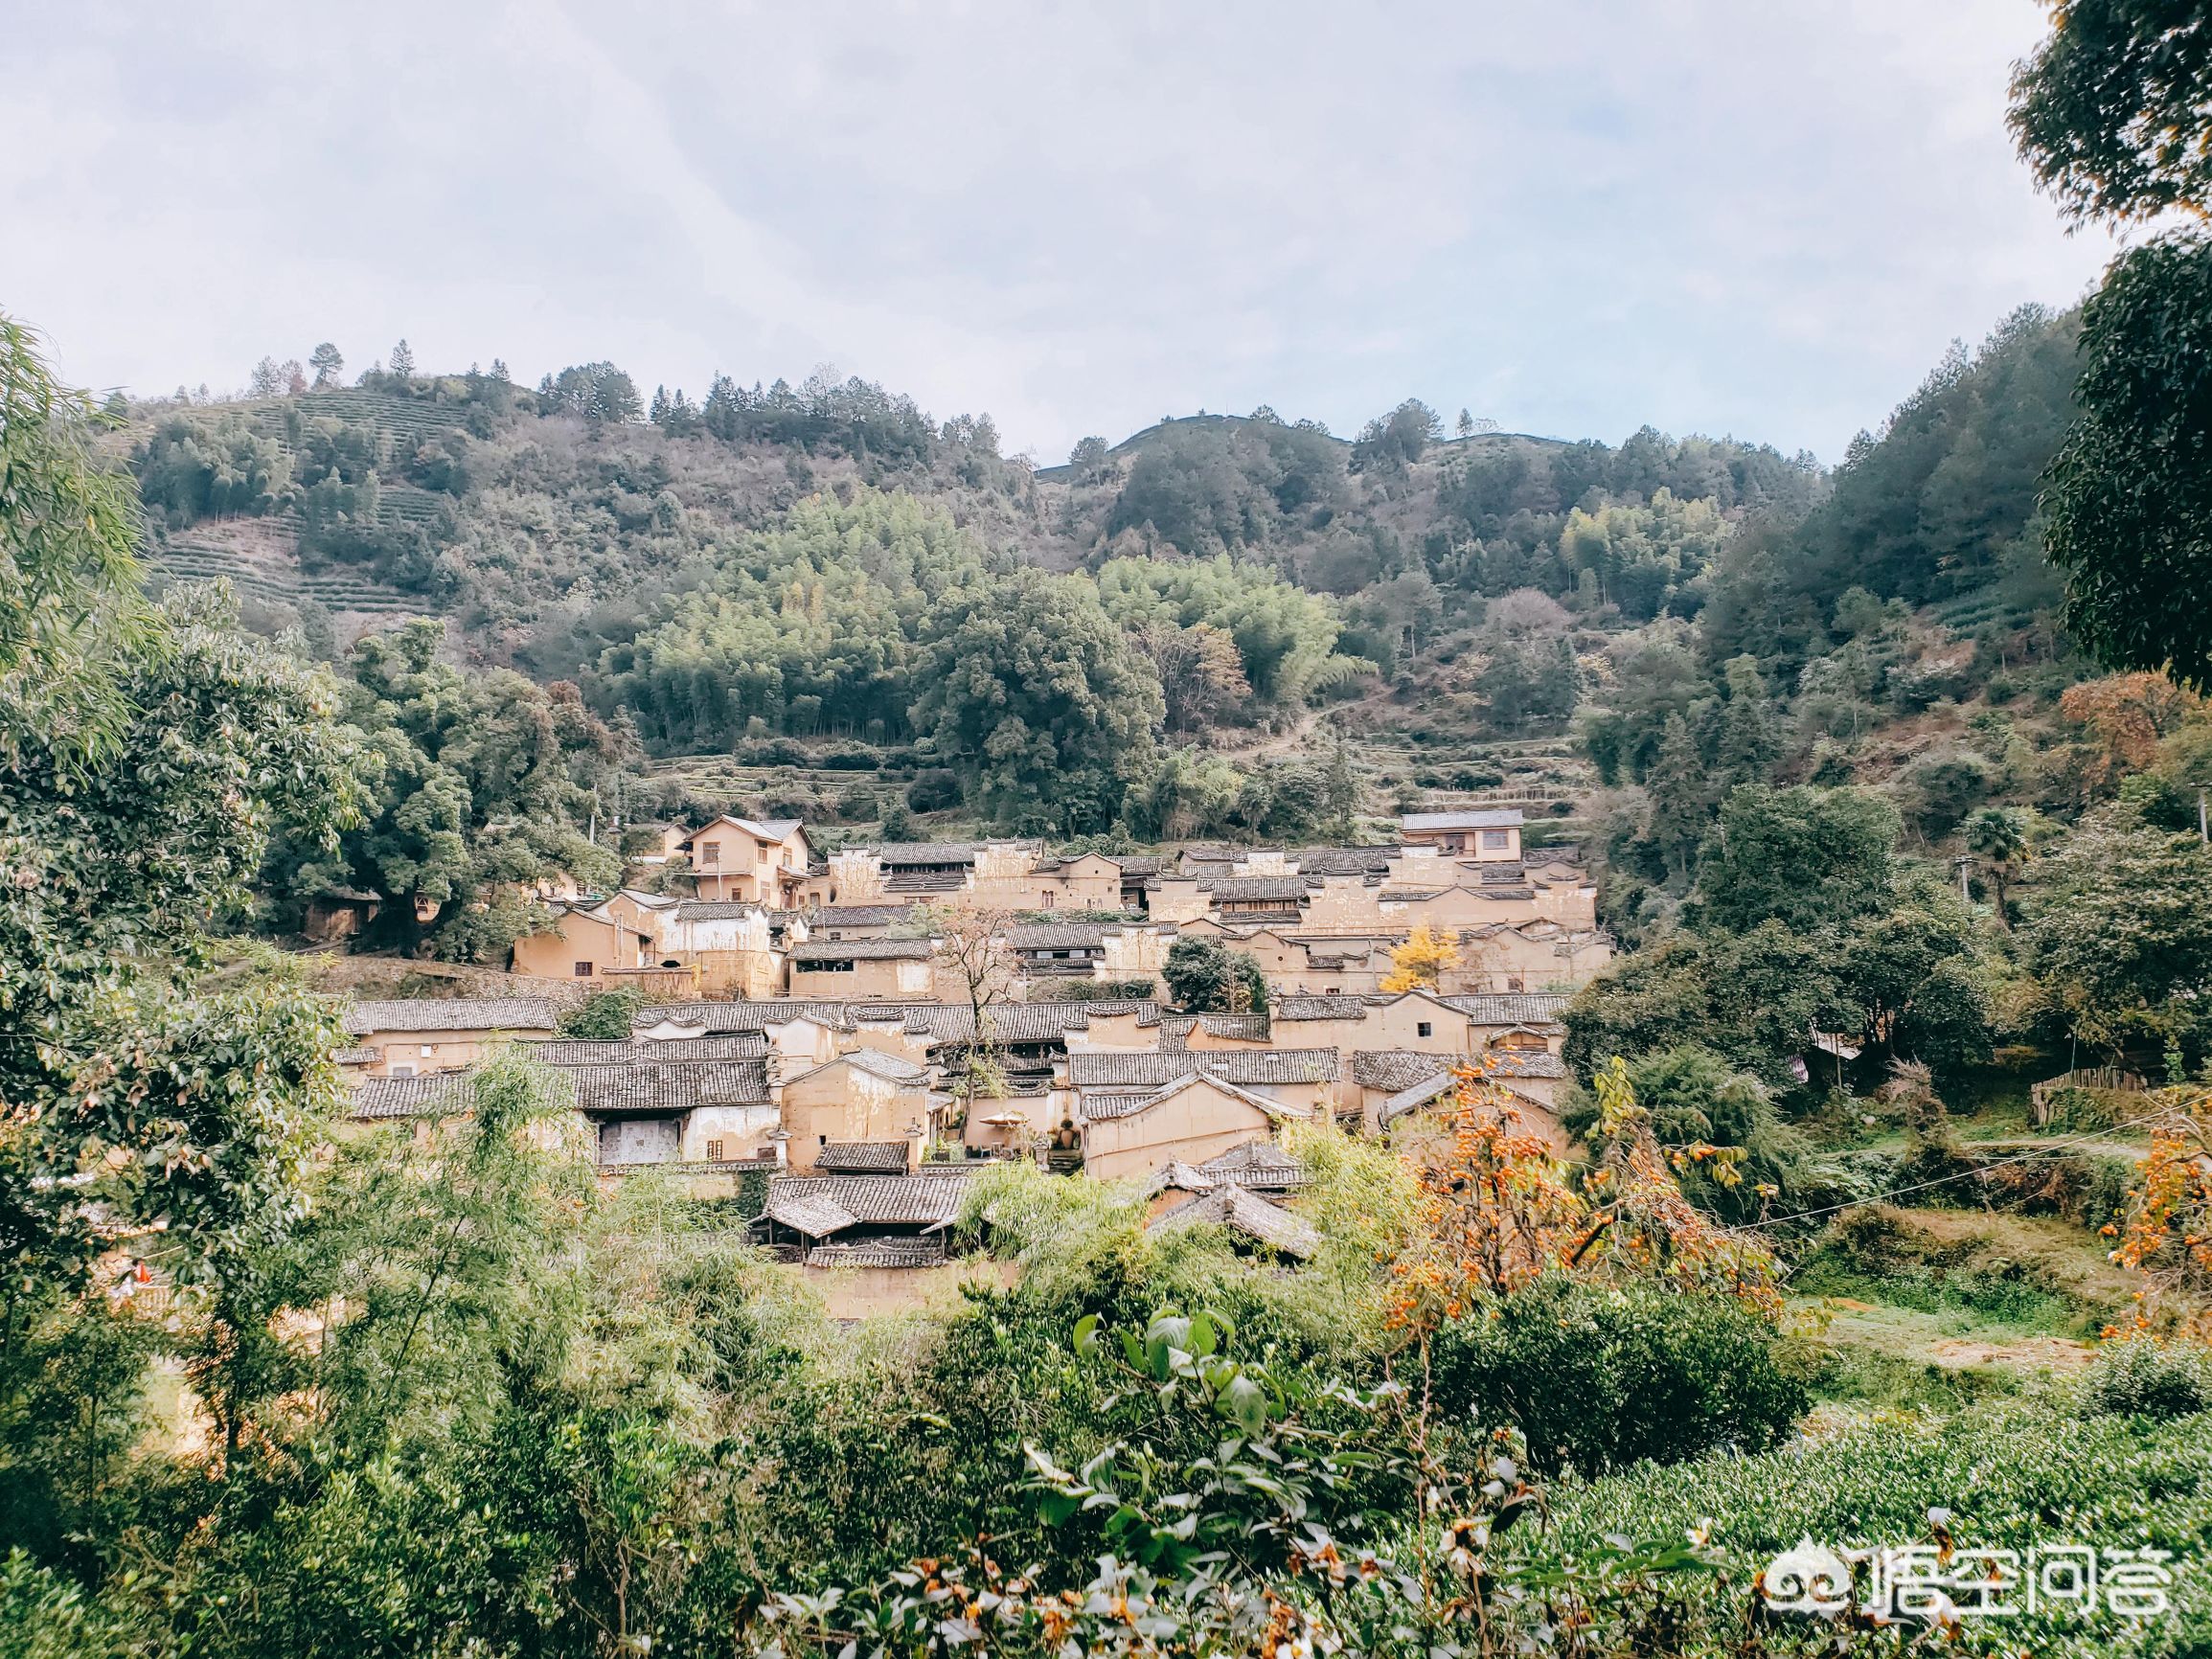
(2114, 114)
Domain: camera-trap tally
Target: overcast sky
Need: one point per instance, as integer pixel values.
(1749, 218)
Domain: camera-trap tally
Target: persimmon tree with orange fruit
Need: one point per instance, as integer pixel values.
(2167, 1238)
(1498, 1210)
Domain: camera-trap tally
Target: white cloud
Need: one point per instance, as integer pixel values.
(1724, 216)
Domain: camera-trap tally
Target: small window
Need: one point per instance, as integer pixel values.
(715, 1152)
(1497, 838)
(711, 852)
(583, 971)
(403, 1071)
(1425, 1029)
(1049, 901)
(429, 1049)
(1513, 985)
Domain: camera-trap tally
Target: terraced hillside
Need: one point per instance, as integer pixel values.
(261, 558)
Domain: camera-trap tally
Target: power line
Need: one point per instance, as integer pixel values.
(1973, 1174)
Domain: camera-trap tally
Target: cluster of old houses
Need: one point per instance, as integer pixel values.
(769, 918)
(871, 1099)
(806, 1025)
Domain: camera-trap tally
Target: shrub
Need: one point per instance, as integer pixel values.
(604, 1017)
(2140, 1377)
(1599, 1379)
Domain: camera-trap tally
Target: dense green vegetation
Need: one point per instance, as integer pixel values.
(1881, 846)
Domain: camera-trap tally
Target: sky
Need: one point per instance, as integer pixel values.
(1728, 216)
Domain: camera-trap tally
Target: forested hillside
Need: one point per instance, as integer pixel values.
(769, 596)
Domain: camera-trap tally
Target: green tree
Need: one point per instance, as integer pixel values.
(1680, 801)
(1805, 857)
(145, 757)
(2130, 504)
(479, 785)
(69, 534)
(2121, 931)
(1205, 976)
(1340, 791)
(599, 392)
(2114, 113)
(2111, 110)
(1032, 692)
(403, 362)
(1750, 737)
(328, 364)
(1994, 835)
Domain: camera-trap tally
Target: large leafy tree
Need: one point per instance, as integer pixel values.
(480, 788)
(2121, 933)
(1805, 857)
(2111, 110)
(1205, 976)
(145, 756)
(2114, 114)
(1034, 693)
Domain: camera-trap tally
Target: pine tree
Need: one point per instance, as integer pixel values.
(328, 363)
(1751, 736)
(1340, 791)
(403, 362)
(1677, 787)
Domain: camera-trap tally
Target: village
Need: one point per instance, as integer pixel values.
(845, 1040)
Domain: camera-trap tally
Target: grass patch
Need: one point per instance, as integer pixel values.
(2023, 1273)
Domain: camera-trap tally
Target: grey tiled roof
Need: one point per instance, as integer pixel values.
(878, 1253)
(1242, 1027)
(1393, 1069)
(749, 1045)
(1301, 1008)
(1415, 1096)
(857, 915)
(1109, 1069)
(718, 909)
(816, 1215)
(1017, 1022)
(356, 1057)
(1341, 860)
(912, 852)
(1510, 1008)
(1119, 1102)
(860, 950)
(1231, 1206)
(863, 1157)
(1259, 1164)
(503, 1013)
(880, 1200)
(1492, 818)
(1524, 1064)
(410, 1096)
(745, 1016)
(676, 1087)
(1255, 887)
(1057, 935)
